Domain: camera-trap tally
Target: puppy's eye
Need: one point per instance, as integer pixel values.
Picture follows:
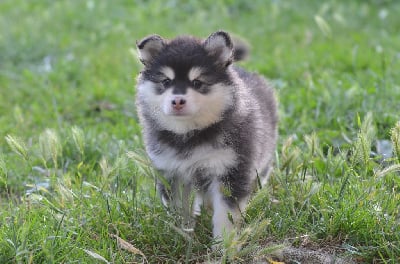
(197, 84)
(166, 82)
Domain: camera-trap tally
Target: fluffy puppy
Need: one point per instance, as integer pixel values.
(209, 127)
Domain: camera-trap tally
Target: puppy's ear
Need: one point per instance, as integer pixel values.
(220, 44)
(149, 47)
(241, 48)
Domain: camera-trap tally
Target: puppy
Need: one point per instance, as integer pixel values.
(209, 127)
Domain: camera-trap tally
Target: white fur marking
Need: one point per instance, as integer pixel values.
(194, 73)
(220, 218)
(198, 202)
(150, 102)
(168, 72)
(200, 111)
(215, 160)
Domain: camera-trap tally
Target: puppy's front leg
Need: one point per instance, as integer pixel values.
(181, 196)
(198, 203)
(188, 220)
(226, 214)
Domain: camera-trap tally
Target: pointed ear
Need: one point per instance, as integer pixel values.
(220, 44)
(149, 47)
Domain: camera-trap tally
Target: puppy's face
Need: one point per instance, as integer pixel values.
(185, 84)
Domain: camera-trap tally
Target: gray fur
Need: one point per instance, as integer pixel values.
(244, 131)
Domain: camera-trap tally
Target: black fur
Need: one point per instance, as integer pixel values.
(236, 131)
(181, 54)
(247, 126)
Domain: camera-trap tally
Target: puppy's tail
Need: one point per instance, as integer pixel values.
(241, 49)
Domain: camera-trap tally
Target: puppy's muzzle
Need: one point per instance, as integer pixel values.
(178, 103)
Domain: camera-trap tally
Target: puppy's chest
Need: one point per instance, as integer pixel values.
(207, 159)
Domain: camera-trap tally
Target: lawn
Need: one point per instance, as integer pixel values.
(77, 187)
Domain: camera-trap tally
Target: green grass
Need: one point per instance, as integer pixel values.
(74, 179)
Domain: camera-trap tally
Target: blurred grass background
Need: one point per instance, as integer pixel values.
(67, 119)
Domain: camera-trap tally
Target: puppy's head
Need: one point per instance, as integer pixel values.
(185, 84)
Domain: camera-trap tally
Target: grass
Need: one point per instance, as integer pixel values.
(75, 185)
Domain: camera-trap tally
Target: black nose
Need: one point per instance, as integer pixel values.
(178, 103)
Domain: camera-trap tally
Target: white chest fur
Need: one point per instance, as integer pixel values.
(216, 161)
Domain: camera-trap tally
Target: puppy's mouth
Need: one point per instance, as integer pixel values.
(179, 114)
